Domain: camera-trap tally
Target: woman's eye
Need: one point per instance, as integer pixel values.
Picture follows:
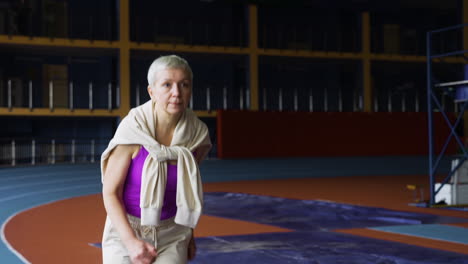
(167, 85)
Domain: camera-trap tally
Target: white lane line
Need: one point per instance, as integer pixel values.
(62, 173)
(44, 191)
(2, 230)
(29, 184)
(7, 244)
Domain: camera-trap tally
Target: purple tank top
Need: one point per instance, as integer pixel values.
(132, 188)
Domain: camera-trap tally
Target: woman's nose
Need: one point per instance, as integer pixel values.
(175, 89)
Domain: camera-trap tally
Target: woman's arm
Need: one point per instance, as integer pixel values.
(114, 179)
(192, 246)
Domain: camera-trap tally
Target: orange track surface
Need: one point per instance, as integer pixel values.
(60, 232)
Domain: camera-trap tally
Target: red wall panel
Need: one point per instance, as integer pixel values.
(246, 134)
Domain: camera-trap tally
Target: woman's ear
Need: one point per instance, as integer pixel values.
(150, 92)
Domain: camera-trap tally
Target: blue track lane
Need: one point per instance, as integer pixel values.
(25, 188)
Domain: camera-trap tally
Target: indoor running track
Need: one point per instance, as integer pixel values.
(314, 213)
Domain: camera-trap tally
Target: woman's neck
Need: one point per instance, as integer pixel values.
(165, 126)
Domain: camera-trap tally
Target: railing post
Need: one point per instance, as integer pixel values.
(51, 96)
(296, 103)
(73, 160)
(403, 103)
(109, 96)
(191, 102)
(117, 96)
(208, 99)
(92, 150)
(13, 152)
(355, 101)
(247, 98)
(376, 104)
(416, 106)
(72, 106)
(241, 99)
(224, 97)
(340, 101)
(311, 101)
(389, 101)
(33, 152)
(53, 151)
(90, 91)
(30, 96)
(325, 100)
(360, 103)
(280, 99)
(10, 104)
(137, 95)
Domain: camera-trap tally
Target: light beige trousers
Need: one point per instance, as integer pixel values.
(170, 239)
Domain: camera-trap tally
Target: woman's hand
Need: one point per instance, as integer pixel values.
(192, 248)
(141, 252)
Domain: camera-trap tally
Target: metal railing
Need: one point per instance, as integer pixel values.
(78, 95)
(33, 151)
(40, 151)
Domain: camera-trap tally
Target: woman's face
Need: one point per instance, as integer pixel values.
(171, 91)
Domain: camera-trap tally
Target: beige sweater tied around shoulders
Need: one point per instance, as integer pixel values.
(190, 135)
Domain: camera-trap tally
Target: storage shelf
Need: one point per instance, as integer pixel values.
(58, 42)
(310, 54)
(104, 44)
(205, 113)
(189, 48)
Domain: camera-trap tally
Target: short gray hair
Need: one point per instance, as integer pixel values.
(167, 62)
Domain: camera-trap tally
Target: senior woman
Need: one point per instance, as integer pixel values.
(151, 182)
